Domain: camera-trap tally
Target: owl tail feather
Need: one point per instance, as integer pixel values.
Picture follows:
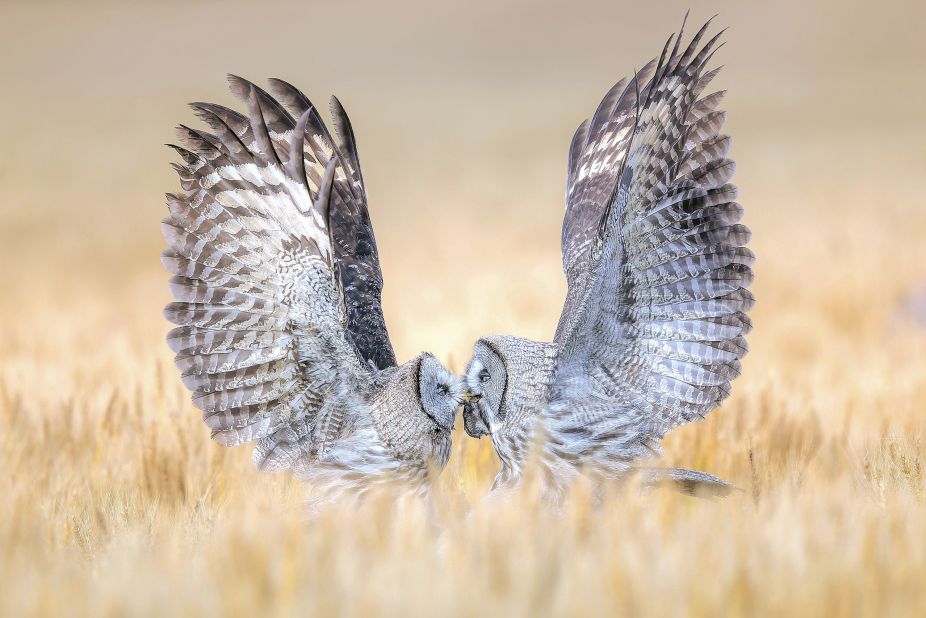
(690, 482)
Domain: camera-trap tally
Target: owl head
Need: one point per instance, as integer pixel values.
(439, 392)
(416, 412)
(506, 377)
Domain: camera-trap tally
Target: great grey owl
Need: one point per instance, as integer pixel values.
(652, 331)
(277, 282)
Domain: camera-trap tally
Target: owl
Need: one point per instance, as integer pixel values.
(280, 334)
(652, 331)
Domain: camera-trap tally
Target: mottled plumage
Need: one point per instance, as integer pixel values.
(277, 282)
(652, 329)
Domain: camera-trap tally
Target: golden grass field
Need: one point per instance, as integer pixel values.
(113, 500)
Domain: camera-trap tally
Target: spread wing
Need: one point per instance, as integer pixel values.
(264, 340)
(354, 246)
(652, 330)
(594, 150)
(356, 257)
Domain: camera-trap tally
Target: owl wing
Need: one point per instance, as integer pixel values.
(356, 256)
(587, 194)
(264, 339)
(652, 329)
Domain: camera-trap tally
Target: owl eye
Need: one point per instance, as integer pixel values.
(442, 389)
(484, 376)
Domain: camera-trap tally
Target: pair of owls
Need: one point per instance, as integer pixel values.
(280, 333)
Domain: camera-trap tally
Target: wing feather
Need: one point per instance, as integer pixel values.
(654, 324)
(262, 334)
(354, 243)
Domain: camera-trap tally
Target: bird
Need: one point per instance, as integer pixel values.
(276, 281)
(653, 327)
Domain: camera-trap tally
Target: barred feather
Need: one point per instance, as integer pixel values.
(652, 331)
(256, 300)
(276, 282)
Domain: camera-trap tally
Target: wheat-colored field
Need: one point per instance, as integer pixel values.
(113, 500)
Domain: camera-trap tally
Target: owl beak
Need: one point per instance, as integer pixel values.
(473, 421)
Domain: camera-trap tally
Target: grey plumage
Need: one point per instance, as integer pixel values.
(653, 325)
(276, 276)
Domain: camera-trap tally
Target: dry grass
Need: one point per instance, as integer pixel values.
(112, 499)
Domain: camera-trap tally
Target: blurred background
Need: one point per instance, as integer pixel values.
(463, 114)
(114, 499)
